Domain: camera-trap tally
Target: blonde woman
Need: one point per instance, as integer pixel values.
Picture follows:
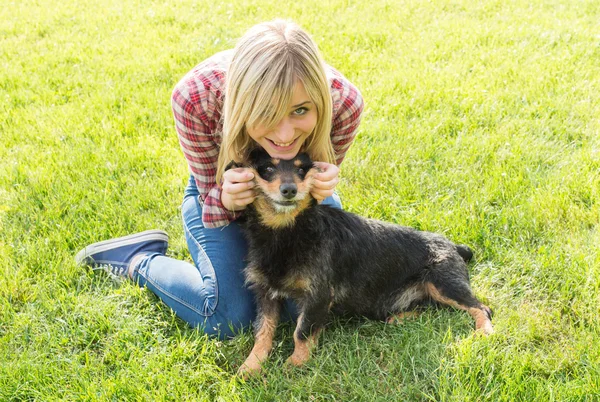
(274, 91)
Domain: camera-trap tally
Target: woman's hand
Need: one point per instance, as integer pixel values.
(325, 181)
(237, 189)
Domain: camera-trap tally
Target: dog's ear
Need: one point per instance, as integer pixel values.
(250, 159)
(306, 160)
(233, 165)
(257, 154)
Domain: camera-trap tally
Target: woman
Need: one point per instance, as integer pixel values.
(273, 91)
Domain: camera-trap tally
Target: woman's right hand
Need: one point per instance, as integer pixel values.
(237, 189)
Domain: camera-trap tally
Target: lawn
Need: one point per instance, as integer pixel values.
(481, 122)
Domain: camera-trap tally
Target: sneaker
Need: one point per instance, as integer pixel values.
(114, 255)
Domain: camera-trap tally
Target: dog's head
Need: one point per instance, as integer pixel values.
(282, 186)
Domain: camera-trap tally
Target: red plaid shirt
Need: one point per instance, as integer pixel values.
(197, 102)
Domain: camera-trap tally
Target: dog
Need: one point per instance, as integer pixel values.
(327, 259)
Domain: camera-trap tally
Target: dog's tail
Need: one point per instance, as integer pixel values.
(465, 252)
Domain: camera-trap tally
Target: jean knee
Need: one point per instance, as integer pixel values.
(231, 322)
(333, 201)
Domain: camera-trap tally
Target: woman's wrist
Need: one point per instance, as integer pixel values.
(228, 203)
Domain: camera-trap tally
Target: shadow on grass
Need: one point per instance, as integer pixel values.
(359, 359)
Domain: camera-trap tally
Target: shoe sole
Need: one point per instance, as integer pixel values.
(148, 235)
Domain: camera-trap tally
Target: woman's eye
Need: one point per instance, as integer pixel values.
(300, 111)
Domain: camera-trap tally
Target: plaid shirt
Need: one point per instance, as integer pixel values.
(197, 102)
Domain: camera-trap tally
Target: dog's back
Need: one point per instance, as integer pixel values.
(366, 263)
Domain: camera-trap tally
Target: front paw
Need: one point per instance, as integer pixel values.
(298, 358)
(250, 368)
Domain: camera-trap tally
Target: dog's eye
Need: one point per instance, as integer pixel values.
(300, 171)
(270, 169)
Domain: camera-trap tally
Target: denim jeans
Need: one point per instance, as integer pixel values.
(209, 294)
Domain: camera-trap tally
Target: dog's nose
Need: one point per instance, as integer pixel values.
(288, 190)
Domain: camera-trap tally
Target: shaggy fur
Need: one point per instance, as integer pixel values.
(328, 259)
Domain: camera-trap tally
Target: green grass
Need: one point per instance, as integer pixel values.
(481, 123)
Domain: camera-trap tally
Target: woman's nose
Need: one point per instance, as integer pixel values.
(285, 130)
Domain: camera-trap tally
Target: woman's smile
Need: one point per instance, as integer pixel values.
(286, 138)
(281, 146)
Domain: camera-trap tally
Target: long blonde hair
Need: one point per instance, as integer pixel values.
(267, 62)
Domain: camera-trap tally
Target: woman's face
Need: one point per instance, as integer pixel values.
(285, 139)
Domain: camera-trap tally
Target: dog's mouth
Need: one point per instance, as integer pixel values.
(286, 203)
(284, 206)
(279, 204)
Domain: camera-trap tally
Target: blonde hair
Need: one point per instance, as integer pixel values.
(267, 62)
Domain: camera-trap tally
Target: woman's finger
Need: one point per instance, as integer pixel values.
(326, 185)
(327, 171)
(243, 195)
(320, 195)
(245, 201)
(236, 188)
(238, 175)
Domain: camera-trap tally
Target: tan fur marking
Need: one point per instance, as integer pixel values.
(297, 162)
(269, 217)
(483, 324)
(303, 204)
(270, 187)
(302, 349)
(435, 294)
(401, 317)
(296, 282)
(304, 186)
(262, 347)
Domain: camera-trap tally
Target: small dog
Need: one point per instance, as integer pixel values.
(327, 259)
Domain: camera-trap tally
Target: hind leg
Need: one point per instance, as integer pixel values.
(404, 302)
(458, 294)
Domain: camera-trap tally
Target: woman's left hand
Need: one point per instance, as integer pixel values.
(325, 181)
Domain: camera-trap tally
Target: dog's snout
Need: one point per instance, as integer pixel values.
(288, 190)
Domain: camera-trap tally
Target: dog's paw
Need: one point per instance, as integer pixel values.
(485, 329)
(483, 321)
(297, 359)
(250, 368)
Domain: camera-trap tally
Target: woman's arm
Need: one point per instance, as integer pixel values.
(196, 112)
(348, 106)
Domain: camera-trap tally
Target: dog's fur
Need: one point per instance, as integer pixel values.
(328, 259)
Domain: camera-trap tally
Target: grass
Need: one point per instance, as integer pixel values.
(481, 123)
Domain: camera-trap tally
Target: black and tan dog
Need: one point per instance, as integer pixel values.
(327, 260)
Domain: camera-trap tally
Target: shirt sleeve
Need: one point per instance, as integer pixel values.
(196, 117)
(348, 106)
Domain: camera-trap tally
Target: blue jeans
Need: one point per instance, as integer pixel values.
(211, 293)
